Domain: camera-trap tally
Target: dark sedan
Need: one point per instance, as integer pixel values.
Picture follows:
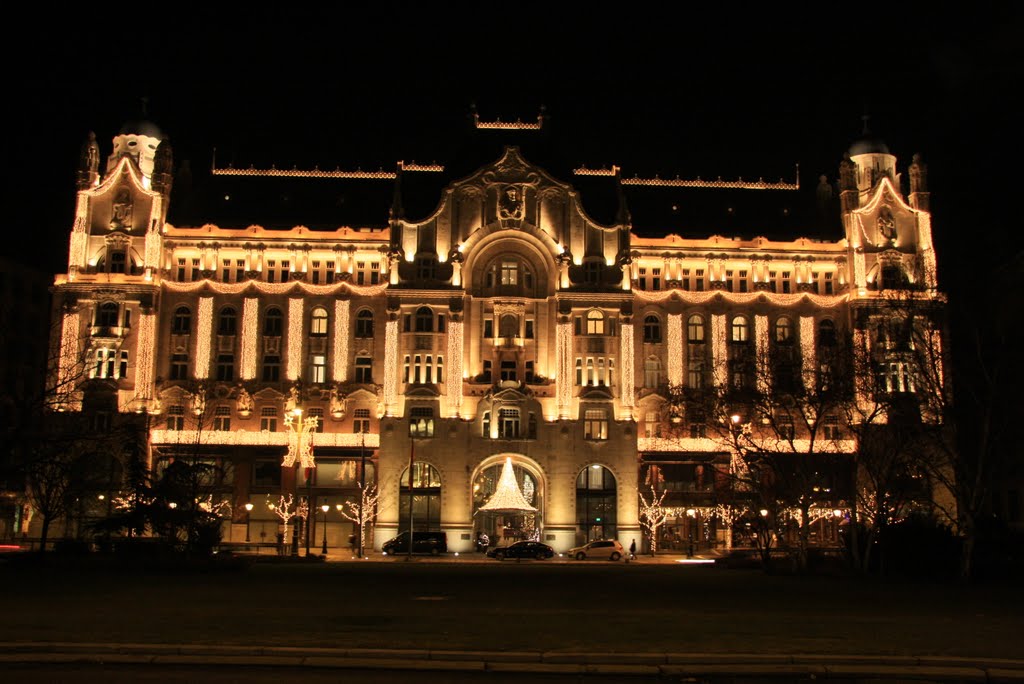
(522, 549)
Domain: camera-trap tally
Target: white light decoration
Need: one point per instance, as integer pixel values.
(300, 439)
(691, 297)
(339, 365)
(740, 184)
(294, 361)
(860, 278)
(719, 367)
(678, 444)
(675, 350)
(144, 356)
(454, 370)
(563, 357)
(204, 337)
(761, 351)
(336, 173)
(79, 241)
(260, 437)
(863, 376)
(250, 320)
(70, 357)
(627, 365)
(808, 352)
(507, 497)
(390, 367)
(293, 287)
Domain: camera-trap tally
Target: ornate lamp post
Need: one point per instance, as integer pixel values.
(325, 508)
(248, 515)
(300, 454)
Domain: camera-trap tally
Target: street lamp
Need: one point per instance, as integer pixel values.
(692, 515)
(248, 515)
(325, 508)
(300, 454)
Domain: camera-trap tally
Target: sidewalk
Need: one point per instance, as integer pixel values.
(818, 667)
(344, 556)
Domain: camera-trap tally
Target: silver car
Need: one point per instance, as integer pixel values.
(604, 549)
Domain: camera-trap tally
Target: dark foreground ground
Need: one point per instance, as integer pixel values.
(546, 606)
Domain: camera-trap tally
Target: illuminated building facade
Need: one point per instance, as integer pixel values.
(507, 323)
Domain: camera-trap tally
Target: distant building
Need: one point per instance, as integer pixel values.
(506, 324)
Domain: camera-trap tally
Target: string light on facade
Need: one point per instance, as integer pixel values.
(250, 320)
(761, 353)
(739, 184)
(145, 357)
(295, 306)
(339, 365)
(718, 358)
(693, 298)
(563, 379)
(390, 367)
(204, 337)
(808, 351)
(454, 370)
(70, 358)
(675, 350)
(245, 437)
(259, 287)
(627, 366)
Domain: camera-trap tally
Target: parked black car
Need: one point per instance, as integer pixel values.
(522, 549)
(422, 542)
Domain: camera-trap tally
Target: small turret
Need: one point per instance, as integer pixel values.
(163, 169)
(89, 163)
(873, 162)
(919, 195)
(139, 141)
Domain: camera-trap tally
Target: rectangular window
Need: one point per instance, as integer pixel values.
(222, 419)
(195, 270)
(489, 328)
(786, 282)
(179, 366)
(361, 420)
(743, 281)
(268, 419)
(317, 413)
(595, 424)
(699, 280)
(123, 369)
(266, 473)
(181, 270)
(225, 367)
(225, 273)
(421, 422)
(239, 270)
(440, 322)
(364, 369)
(829, 284)
(831, 428)
(529, 328)
(508, 370)
(176, 417)
(318, 370)
(271, 368)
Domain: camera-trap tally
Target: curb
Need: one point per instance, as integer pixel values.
(844, 667)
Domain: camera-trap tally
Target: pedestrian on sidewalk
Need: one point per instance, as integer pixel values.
(632, 550)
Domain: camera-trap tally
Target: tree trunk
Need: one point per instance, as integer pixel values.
(43, 534)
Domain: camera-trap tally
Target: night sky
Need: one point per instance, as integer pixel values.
(696, 94)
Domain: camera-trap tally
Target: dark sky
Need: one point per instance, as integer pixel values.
(666, 91)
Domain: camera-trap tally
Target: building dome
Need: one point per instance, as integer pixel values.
(868, 145)
(142, 127)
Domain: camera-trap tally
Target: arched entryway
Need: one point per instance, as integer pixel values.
(596, 504)
(426, 498)
(507, 527)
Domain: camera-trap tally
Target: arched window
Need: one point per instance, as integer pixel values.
(273, 322)
(508, 326)
(596, 504)
(740, 329)
(106, 315)
(318, 322)
(364, 323)
(826, 333)
(784, 330)
(426, 498)
(652, 329)
(695, 329)
(424, 319)
(181, 324)
(227, 322)
(595, 323)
